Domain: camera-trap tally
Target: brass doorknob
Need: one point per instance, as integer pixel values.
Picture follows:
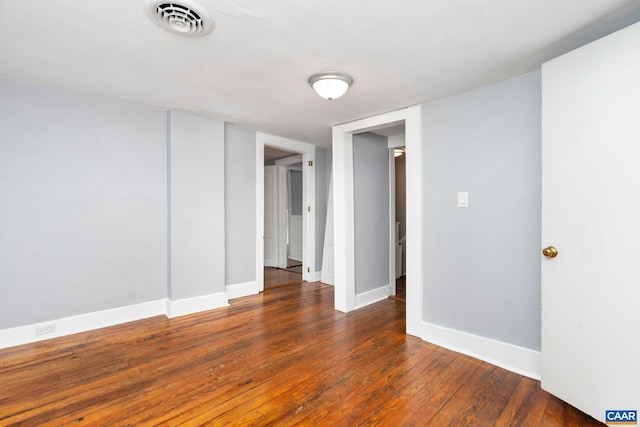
(550, 252)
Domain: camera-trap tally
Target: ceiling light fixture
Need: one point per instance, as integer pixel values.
(330, 85)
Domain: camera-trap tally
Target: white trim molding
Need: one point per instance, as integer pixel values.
(114, 316)
(182, 307)
(370, 297)
(414, 232)
(520, 360)
(315, 276)
(344, 276)
(238, 290)
(82, 323)
(259, 214)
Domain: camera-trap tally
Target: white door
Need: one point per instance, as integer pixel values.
(270, 216)
(591, 214)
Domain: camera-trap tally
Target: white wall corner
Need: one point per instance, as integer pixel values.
(195, 305)
(238, 290)
(81, 323)
(373, 296)
(520, 360)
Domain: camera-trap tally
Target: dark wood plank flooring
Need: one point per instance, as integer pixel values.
(283, 357)
(276, 277)
(401, 289)
(294, 265)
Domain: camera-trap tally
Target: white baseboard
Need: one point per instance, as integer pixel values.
(186, 306)
(81, 323)
(370, 297)
(238, 290)
(295, 256)
(516, 359)
(315, 276)
(101, 319)
(326, 277)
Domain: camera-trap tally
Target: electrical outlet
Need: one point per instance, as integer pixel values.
(46, 329)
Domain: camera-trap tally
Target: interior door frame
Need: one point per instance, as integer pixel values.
(270, 174)
(392, 222)
(308, 152)
(343, 207)
(393, 272)
(284, 212)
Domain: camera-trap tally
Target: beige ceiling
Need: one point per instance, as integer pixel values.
(271, 153)
(252, 70)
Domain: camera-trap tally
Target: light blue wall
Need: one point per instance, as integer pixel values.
(296, 192)
(240, 205)
(83, 207)
(482, 263)
(88, 186)
(371, 211)
(196, 201)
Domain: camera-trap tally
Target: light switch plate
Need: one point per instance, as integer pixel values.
(463, 199)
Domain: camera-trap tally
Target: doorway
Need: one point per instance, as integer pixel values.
(343, 191)
(283, 217)
(395, 135)
(398, 205)
(306, 153)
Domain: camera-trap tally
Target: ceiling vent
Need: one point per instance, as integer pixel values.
(185, 17)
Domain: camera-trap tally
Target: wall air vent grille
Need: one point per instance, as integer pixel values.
(182, 18)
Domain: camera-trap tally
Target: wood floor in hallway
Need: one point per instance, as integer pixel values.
(276, 277)
(283, 357)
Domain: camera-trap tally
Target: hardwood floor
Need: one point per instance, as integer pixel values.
(294, 265)
(401, 289)
(276, 277)
(283, 357)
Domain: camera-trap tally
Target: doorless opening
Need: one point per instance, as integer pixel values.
(344, 229)
(307, 152)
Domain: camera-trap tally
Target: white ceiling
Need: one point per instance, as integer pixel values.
(252, 70)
